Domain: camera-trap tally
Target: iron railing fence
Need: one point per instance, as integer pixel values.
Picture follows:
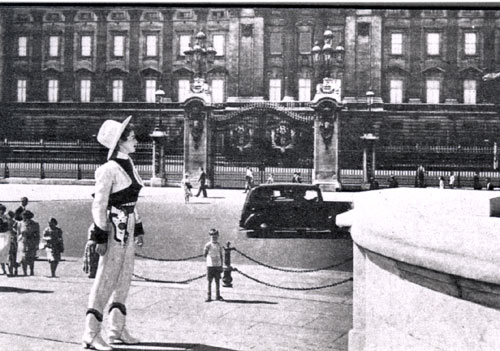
(448, 158)
(61, 159)
(79, 160)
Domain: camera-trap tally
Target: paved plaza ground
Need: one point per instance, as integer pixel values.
(40, 313)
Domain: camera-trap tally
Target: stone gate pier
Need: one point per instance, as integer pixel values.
(426, 270)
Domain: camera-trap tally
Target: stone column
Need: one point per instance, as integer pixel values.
(36, 88)
(100, 93)
(326, 145)
(68, 81)
(196, 139)
(134, 90)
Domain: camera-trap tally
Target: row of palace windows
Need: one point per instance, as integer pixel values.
(396, 89)
(217, 89)
(118, 45)
(117, 90)
(433, 94)
(434, 43)
(152, 44)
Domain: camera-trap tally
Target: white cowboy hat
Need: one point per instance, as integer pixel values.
(110, 133)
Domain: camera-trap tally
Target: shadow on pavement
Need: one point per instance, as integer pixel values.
(8, 289)
(251, 302)
(44, 259)
(161, 346)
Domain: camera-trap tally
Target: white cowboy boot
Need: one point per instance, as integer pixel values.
(92, 338)
(118, 333)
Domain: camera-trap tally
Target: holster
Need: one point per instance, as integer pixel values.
(120, 217)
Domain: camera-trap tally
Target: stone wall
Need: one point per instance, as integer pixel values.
(426, 271)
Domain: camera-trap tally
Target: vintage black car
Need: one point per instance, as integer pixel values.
(289, 207)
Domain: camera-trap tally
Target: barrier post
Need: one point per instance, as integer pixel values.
(227, 279)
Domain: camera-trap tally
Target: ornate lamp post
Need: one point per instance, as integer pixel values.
(326, 56)
(368, 142)
(158, 135)
(369, 100)
(200, 56)
(328, 63)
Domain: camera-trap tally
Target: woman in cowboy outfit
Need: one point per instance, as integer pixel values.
(117, 229)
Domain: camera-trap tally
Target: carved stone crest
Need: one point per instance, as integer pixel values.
(199, 86)
(283, 137)
(241, 137)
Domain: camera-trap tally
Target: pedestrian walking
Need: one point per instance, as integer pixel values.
(393, 182)
(90, 255)
(4, 239)
(476, 183)
(28, 233)
(117, 231)
(213, 255)
(451, 182)
(186, 187)
(21, 209)
(441, 182)
(202, 180)
(489, 184)
(420, 177)
(248, 180)
(13, 265)
(373, 184)
(296, 178)
(52, 242)
(270, 179)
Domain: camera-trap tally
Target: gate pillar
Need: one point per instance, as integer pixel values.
(326, 144)
(197, 140)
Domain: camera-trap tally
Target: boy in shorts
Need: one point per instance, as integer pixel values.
(213, 254)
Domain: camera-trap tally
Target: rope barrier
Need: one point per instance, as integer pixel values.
(290, 288)
(293, 270)
(168, 259)
(169, 281)
(246, 275)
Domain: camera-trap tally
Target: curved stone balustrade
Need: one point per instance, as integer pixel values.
(426, 270)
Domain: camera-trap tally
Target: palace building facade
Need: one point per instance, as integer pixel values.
(247, 80)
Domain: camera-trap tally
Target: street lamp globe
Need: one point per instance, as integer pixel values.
(159, 94)
(201, 36)
(157, 133)
(328, 34)
(369, 97)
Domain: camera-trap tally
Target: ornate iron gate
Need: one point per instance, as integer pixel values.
(266, 139)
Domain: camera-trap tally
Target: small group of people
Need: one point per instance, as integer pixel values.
(187, 186)
(476, 182)
(451, 181)
(20, 241)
